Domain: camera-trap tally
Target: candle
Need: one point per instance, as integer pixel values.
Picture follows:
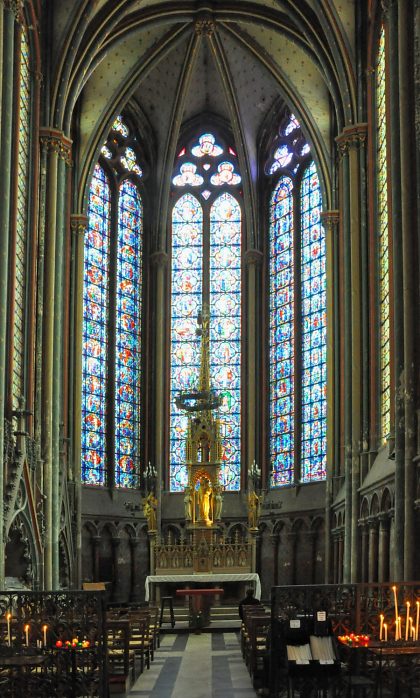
(407, 625)
(385, 632)
(417, 621)
(394, 589)
(8, 618)
(399, 628)
(44, 630)
(27, 635)
(381, 627)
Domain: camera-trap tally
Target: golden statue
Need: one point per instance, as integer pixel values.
(204, 495)
(149, 510)
(188, 503)
(253, 509)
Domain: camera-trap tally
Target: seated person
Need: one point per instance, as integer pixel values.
(248, 600)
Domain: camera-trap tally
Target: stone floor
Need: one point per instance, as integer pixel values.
(209, 665)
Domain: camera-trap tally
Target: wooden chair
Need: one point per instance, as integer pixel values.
(140, 640)
(120, 654)
(258, 627)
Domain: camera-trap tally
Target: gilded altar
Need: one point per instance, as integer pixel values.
(204, 549)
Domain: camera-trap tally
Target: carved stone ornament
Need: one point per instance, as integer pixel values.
(159, 259)
(205, 25)
(79, 223)
(54, 141)
(253, 257)
(330, 219)
(16, 6)
(351, 137)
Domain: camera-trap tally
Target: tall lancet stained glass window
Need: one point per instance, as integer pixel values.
(206, 269)
(21, 219)
(297, 312)
(111, 394)
(383, 239)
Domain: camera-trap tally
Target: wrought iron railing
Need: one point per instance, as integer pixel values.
(52, 644)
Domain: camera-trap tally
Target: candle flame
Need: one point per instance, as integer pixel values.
(26, 628)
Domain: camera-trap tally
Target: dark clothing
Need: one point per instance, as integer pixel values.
(247, 601)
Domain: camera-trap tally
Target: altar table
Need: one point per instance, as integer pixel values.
(196, 596)
(200, 603)
(157, 579)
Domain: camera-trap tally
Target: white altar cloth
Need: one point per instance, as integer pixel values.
(174, 578)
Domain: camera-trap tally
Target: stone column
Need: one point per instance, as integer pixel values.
(116, 589)
(352, 146)
(152, 535)
(340, 568)
(335, 558)
(253, 534)
(364, 551)
(346, 343)
(274, 538)
(159, 261)
(391, 14)
(383, 561)
(8, 35)
(410, 290)
(55, 144)
(58, 396)
(291, 541)
(96, 543)
(373, 550)
(253, 259)
(135, 587)
(312, 538)
(330, 221)
(79, 225)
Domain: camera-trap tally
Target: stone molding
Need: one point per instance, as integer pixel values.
(79, 223)
(352, 136)
(253, 257)
(159, 259)
(54, 141)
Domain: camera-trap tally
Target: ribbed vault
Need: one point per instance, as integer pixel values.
(175, 60)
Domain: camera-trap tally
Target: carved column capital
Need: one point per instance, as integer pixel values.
(15, 6)
(330, 219)
(79, 223)
(159, 259)
(253, 257)
(351, 137)
(54, 141)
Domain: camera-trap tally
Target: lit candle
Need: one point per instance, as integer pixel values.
(385, 632)
(8, 618)
(394, 589)
(399, 628)
(44, 630)
(417, 621)
(407, 625)
(27, 635)
(381, 627)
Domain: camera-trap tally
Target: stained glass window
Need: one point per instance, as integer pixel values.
(314, 340)
(95, 336)
(21, 220)
(297, 308)
(128, 321)
(112, 318)
(225, 328)
(186, 302)
(281, 334)
(383, 239)
(206, 268)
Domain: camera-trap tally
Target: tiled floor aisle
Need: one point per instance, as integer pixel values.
(196, 666)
